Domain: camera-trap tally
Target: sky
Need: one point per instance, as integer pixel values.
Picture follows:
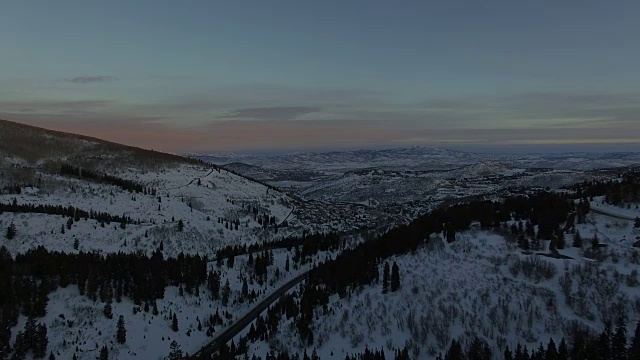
(257, 76)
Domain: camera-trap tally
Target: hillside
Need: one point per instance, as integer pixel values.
(154, 191)
(29, 145)
(546, 272)
(482, 285)
(98, 237)
(93, 224)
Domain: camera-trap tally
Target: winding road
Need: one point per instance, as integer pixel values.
(606, 213)
(230, 332)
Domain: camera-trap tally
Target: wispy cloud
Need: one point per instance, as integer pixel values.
(90, 79)
(276, 113)
(270, 117)
(65, 107)
(573, 141)
(548, 110)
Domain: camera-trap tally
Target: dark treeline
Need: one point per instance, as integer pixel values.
(624, 190)
(231, 353)
(129, 185)
(15, 188)
(359, 267)
(583, 344)
(609, 344)
(269, 324)
(221, 167)
(29, 278)
(66, 211)
(309, 245)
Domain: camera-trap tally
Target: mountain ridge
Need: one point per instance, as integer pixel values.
(37, 146)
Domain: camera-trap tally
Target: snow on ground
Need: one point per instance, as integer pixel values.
(179, 197)
(483, 285)
(628, 210)
(76, 322)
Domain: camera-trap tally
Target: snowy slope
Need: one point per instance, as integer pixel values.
(219, 195)
(476, 286)
(77, 325)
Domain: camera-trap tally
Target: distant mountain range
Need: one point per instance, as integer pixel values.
(421, 158)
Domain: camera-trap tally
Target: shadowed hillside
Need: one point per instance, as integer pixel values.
(30, 145)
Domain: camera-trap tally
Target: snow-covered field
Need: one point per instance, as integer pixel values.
(197, 195)
(483, 285)
(77, 324)
(626, 210)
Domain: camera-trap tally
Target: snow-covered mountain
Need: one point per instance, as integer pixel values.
(217, 207)
(68, 196)
(121, 207)
(481, 285)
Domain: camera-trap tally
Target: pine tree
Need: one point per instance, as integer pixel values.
(523, 242)
(108, 311)
(11, 231)
(245, 288)
(51, 356)
(507, 354)
(619, 342)
(603, 343)
(634, 348)
(450, 233)
(454, 352)
(552, 352)
(213, 283)
(176, 352)
(636, 223)
(560, 241)
(478, 350)
(174, 323)
(104, 353)
(518, 353)
(395, 277)
(577, 240)
(563, 351)
(385, 278)
(40, 341)
(121, 334)
(180, 225)
(226, 293)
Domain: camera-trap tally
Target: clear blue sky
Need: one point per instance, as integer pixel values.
(265, 75)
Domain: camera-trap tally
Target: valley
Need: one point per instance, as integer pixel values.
(113, 250)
